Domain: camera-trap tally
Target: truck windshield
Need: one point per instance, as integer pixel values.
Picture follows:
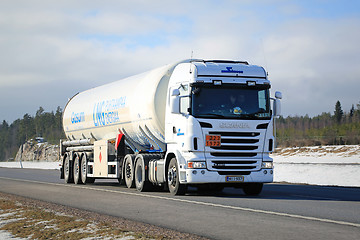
(231, 102)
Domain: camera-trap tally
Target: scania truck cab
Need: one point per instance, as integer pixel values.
(220, 124)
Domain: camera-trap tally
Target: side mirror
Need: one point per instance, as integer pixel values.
(175, 101)
(175, 92)
(277, 107)
(278, 95)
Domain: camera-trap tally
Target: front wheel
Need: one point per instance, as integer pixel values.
(173, 178)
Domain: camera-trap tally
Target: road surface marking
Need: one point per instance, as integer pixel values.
(196, 202)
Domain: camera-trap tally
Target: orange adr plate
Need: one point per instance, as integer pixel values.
(213, 140)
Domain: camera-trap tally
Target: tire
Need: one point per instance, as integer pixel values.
(83, 170)
(77, 169)
(129, 171)
(68, 170)
(252, 189)
(142, 183)
(174, 185)
(62, 168)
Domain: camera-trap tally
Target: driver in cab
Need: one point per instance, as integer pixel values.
(235, 104)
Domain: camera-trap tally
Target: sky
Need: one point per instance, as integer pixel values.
(50, 50)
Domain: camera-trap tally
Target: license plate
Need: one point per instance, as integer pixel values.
(234, 179)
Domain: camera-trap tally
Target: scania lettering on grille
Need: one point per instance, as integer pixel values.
(234, 125)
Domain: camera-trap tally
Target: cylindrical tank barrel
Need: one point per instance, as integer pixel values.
(80, 148)
(134, 106)
(80, 142)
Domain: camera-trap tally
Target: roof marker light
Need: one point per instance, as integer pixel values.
(217, 82)
(251, 83)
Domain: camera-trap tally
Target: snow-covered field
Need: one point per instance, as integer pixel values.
(326, 165)
(27, 164)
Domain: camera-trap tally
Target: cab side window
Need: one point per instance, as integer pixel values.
(184, 99)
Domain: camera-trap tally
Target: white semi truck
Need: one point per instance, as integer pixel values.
(207, 124)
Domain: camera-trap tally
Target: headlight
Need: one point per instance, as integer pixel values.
(267, 165)
(196, 165)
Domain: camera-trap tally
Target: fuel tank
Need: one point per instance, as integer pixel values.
(134, 106)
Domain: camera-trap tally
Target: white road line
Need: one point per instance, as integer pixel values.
(197, 203)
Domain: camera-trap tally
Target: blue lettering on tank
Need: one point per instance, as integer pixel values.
(106, 112)
(77, 117)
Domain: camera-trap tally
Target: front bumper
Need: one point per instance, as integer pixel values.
(195, 176)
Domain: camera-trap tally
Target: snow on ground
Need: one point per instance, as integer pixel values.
(27, 164)
(326, 165)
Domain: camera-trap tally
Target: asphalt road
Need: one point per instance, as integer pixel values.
(282, 211)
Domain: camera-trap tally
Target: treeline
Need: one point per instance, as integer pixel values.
(44, 124)
(325, 129)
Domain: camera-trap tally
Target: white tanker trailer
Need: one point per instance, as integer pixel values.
(198, 123)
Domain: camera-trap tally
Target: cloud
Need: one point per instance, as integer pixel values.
(82, 44)
(316, 63)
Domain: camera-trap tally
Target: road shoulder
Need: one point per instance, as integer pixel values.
(114, 224)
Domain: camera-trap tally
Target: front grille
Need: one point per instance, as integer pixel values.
(233, 167)
(234, 172)
(233, 162)
(234, 147)
(239, 140)
(232, 154)
(236, 134)
(238, 152)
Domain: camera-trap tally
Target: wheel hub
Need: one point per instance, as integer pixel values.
(83, 169)
(172, 176)
(76, 166)
(128, 171)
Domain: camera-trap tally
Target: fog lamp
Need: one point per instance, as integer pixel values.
(196, 165)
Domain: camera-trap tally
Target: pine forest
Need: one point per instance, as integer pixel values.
(329, 128)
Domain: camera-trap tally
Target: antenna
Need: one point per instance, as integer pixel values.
(191, 58)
